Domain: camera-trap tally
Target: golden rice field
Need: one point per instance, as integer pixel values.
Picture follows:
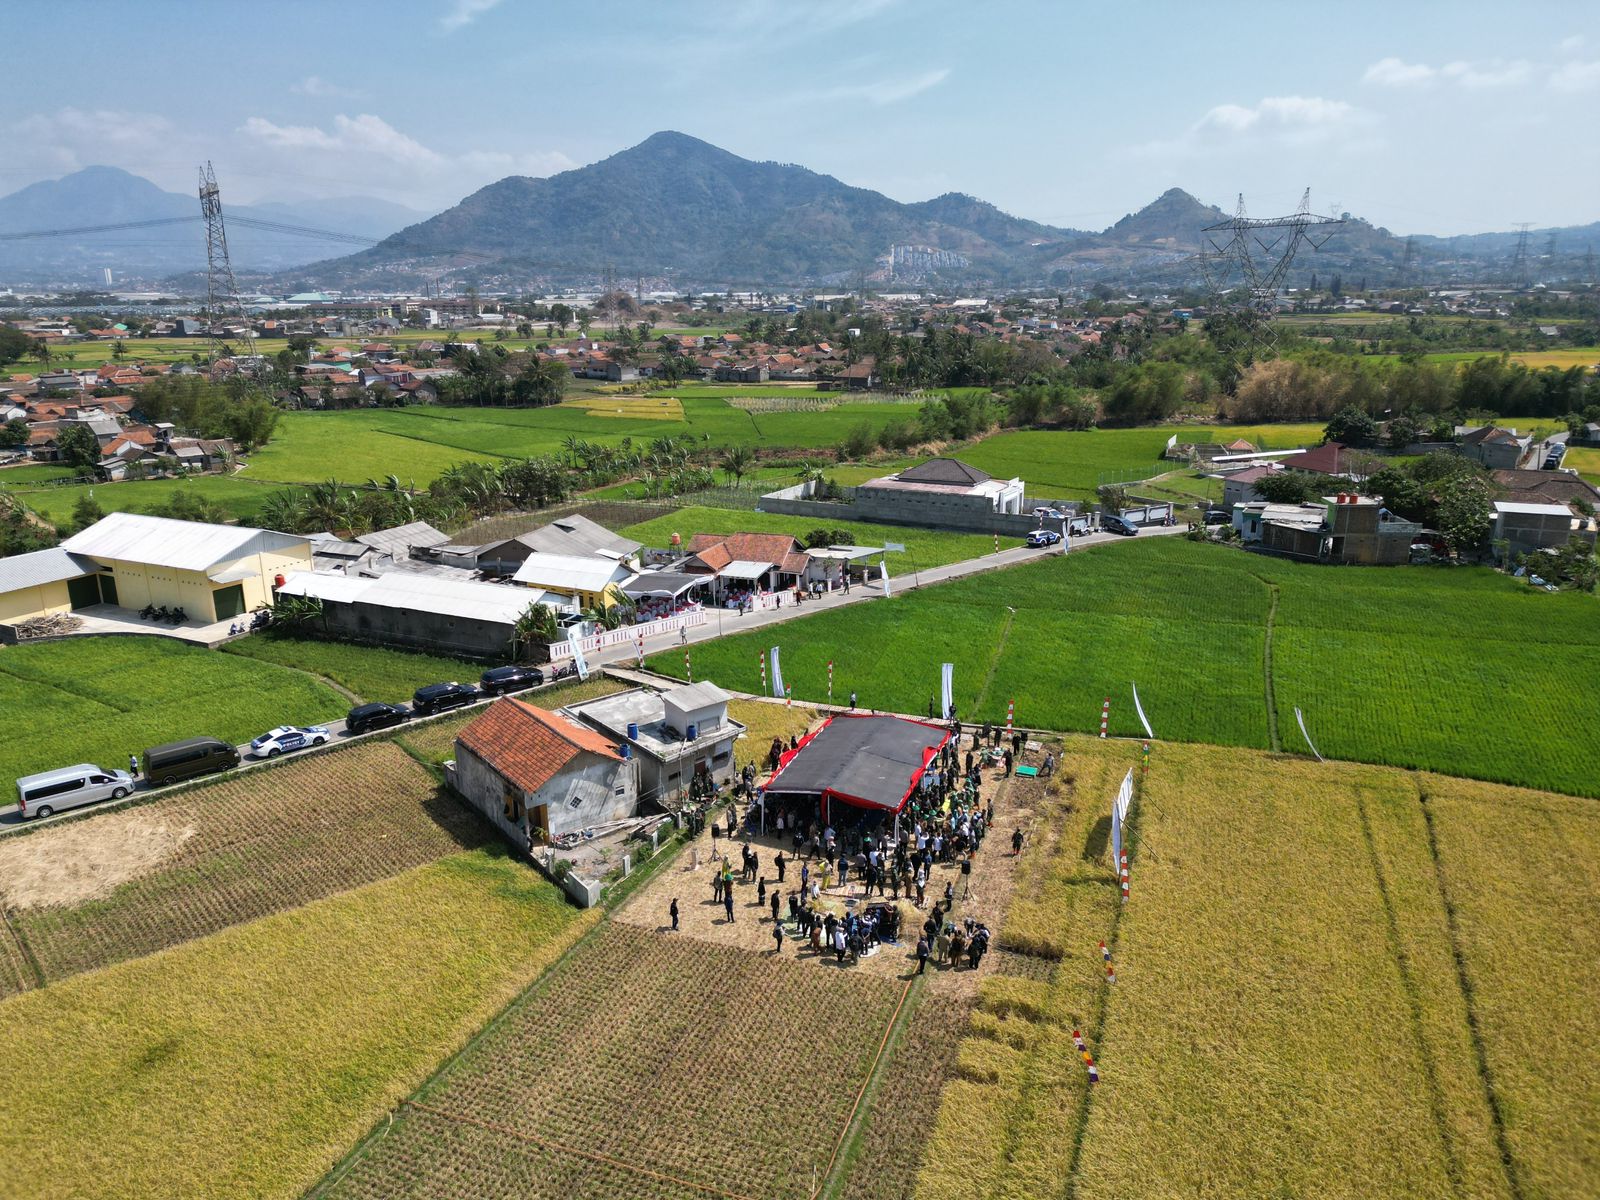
(633, 408)
(1332, 981)
(247, 1063)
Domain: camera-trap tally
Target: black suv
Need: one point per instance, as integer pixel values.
(374, 716)
(437, 697)
(499, 680)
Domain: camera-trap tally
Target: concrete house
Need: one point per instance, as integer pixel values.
(212, 572)
(673, 735)
(594, 580)
(537, 774)
(1525, 527)
(1494, 447)
(941, 490)
(45, 582)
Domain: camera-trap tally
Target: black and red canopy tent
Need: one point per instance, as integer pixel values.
(869, 762)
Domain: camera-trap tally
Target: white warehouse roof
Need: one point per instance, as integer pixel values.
(1521, 509)
(571, 572)
(181, 545)
(493, 602)
(42, 566)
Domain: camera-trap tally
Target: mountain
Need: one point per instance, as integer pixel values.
(109, 195)
(676, 205)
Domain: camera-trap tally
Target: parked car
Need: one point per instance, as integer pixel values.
(368, 717)
(69, 787)
(1112, 523)
(189, 759)
(498, 680)
(1048, 514)
(439, 697)
(288, 737)
(1044, 537)
(1218, 516)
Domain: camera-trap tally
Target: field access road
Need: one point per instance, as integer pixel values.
(723, 621)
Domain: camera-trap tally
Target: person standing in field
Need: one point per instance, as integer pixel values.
(777, 933)
(775, 906)
(922, 954)
(133, 765)
(727, 903)
(672, 910)
(778, 863)
(1016, 841)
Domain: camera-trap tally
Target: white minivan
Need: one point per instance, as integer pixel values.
(55, 791)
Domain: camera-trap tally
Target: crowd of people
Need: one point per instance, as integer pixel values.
(944, 823)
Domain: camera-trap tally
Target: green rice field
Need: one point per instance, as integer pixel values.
(1456, 670)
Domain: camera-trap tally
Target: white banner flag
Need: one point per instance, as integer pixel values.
(1304, 734)
(777, 675)
(947, 688)
(885, 565)
(1119, 814)
(578, 661)
(1139, 708)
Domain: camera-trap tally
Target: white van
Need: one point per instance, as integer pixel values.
(56, 791)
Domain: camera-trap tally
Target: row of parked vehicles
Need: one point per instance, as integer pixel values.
(56, 791)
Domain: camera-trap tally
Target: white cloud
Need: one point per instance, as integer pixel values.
(1576, 76)
(1394, 72)
(887, 91)
(465, 12)
(71, 138)
(1573, 44)
(367, 148)
(1281, 113)
(315, 85)
(1493, 73)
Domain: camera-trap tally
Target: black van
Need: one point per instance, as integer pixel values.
(188, 759)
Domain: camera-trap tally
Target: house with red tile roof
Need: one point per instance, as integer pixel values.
(538, 775)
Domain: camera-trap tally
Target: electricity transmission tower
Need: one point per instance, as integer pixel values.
(1257, 252)
(1408, 264)
(222, 293)
(1519, 261)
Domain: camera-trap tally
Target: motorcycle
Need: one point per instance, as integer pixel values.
(148, 612)
(178, 616)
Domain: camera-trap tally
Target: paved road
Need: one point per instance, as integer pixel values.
(722, 622)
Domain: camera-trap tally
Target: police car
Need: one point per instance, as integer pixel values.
(288, 737)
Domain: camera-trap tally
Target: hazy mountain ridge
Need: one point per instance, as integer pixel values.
(109, 195)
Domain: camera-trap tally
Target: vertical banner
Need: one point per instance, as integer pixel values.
(578, 661)
(1298, 716)
(1119, 813)
(947, 674)
(1139, 708)
(884, 564)
(777, 675)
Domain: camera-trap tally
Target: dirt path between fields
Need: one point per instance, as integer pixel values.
(84, 860)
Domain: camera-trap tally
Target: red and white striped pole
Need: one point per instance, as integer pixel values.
(688, 672)
(1105, 952)
(997, 543)
(762, 659)
(830, 681)
(788, 696)
(1011, 712)
(641, 649)
(1105, 716)
(1123, 873)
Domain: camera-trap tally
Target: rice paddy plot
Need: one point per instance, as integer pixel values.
(246, 1063)
(1410, 666)
(1273, 953)
(95, 699)
(644, 1065)
(85, 894)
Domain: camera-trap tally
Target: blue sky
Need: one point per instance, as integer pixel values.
(1446, 118)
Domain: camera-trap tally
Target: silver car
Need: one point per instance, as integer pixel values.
(69, 787)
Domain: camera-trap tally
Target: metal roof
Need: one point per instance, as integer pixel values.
(744, 569)
(399, 540)
(570, 572)
(871, 761)
(577, 535)
(696, 695)
(181, 545)
(662, 583)
(1519, 508)
(496, 603)
(42, 566)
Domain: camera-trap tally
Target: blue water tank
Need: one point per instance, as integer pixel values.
(689, 734)
(633, 731)
(627, 750)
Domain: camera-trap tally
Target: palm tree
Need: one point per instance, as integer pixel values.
(536, 625)
(736, 461)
